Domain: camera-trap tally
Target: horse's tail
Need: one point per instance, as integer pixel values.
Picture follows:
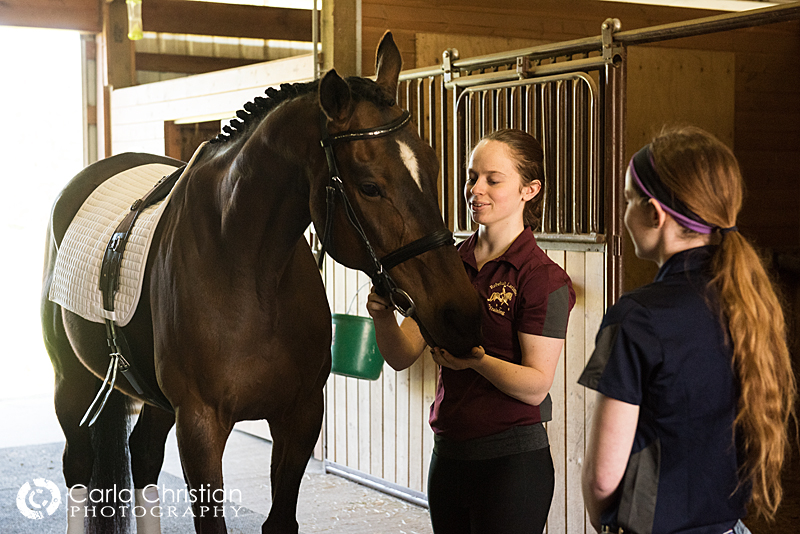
(110, 503)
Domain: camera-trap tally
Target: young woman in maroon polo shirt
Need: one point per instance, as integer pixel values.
(491, 469)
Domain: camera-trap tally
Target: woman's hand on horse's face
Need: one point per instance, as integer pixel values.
(442, 357)
(379, 307)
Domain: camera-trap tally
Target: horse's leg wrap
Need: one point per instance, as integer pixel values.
(77, 497)
(148, 510)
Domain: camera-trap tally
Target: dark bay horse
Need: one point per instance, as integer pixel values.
(233, 323)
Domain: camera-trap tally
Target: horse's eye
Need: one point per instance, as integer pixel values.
(370, 189)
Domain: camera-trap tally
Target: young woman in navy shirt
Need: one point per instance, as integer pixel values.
(491, 469)
(694, 375)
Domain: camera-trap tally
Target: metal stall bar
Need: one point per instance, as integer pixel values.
(560, 166)
(613, 124)
(706, 25)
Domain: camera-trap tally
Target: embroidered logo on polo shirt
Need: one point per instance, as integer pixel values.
(500, 299)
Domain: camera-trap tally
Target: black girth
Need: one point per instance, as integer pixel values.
(383, 283)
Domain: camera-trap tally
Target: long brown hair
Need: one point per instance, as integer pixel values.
(704, 174)
(529, 159)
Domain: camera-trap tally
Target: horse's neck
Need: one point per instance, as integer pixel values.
(255, 196)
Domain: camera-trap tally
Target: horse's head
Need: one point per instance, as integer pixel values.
(388, 175)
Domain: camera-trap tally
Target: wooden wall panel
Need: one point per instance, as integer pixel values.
(677, 86)
(768, 138)
(557, 429)
(389, 427)
(545, 20)
(226, 19)
(594, 308)
(138, 113)
(429, 46)
(374, 463)
(572, 403)
(574, 410)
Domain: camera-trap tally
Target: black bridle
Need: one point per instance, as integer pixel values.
(383, 283)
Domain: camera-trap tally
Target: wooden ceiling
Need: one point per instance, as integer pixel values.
(173, 16)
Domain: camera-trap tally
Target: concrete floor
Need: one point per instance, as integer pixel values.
(31, 443)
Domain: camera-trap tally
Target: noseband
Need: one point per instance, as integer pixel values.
(383, 283)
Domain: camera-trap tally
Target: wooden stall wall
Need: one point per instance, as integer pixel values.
(164, 56)
(139, 113)
(543, 20)
(572, 403)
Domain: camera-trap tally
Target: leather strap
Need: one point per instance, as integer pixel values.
(369, 133)
(437, 239)
(112, 259)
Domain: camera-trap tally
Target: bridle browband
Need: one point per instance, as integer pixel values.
(383, 283)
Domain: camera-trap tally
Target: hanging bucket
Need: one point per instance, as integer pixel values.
(354, 350)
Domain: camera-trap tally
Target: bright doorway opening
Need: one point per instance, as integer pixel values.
(41, 142)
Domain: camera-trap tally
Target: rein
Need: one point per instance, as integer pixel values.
(384, 284)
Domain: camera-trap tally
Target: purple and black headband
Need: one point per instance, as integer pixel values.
(643, 171)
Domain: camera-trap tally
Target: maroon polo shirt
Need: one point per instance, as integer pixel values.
(521, 291)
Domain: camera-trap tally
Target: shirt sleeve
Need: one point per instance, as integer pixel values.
(627, 353)
(545, 303)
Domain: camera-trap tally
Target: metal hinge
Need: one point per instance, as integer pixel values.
(607, 31)
(448, 56)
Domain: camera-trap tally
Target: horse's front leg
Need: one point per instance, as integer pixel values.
(294, 438)
(147, 456)
(201, 442)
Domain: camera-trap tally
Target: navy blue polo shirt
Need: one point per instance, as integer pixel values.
(523, 290)
(662, 347)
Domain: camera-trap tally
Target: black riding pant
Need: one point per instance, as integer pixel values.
(506, 495)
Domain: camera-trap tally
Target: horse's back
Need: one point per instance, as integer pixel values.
(81, 186)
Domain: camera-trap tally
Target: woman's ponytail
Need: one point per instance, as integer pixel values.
(762, 362)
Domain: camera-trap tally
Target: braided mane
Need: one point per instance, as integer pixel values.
(362, 89)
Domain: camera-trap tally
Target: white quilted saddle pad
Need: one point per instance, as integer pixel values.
(76, 278)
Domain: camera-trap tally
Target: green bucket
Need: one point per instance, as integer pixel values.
(354, 350)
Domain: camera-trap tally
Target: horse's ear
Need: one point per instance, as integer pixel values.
(334, 96)
(388, 64)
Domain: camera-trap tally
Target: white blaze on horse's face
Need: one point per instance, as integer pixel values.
(410, 159)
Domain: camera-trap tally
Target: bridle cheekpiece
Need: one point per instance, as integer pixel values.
(383, 283)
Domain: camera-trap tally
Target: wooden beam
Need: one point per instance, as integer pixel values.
(118, 50)
(341, 36)
(81, 15)
(171, 16)
(188, 64)
(231, 20)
